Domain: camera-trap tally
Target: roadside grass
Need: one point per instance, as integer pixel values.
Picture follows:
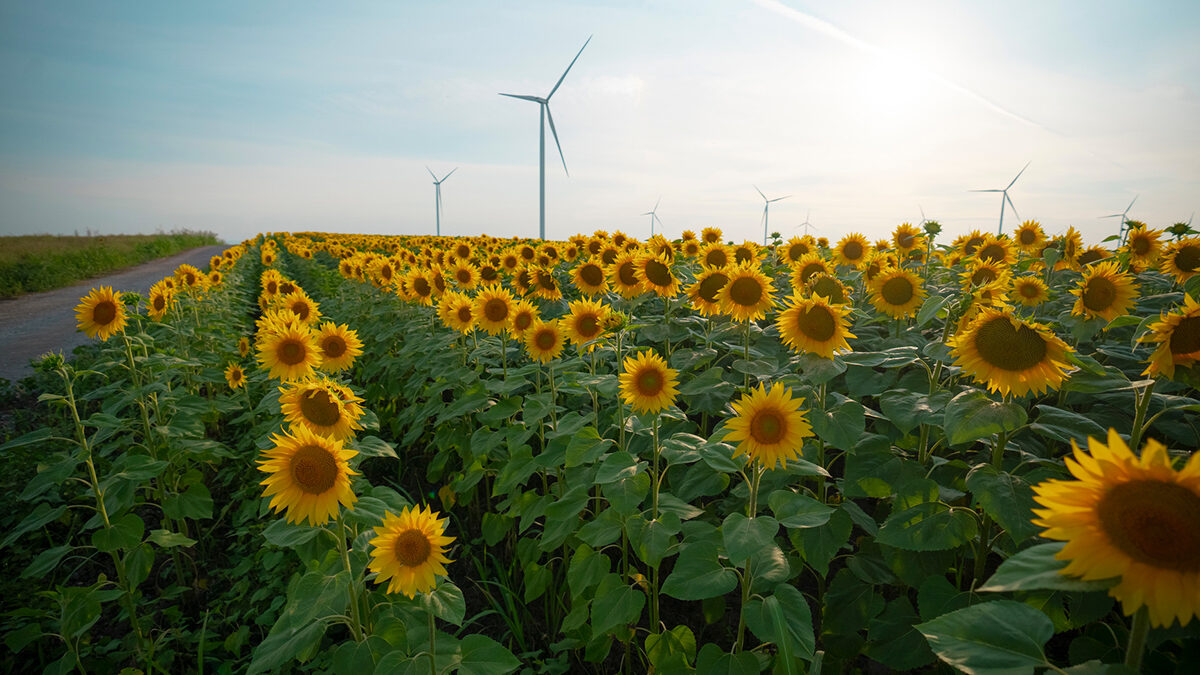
(31, 263)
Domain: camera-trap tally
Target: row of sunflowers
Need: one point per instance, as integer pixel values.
(607, 455)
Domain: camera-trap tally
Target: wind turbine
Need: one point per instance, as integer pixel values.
(806, 225)
(654, 216)
(437, 184)
(766, 208)
(1122, 215)
(1005, 198)
(545, 113)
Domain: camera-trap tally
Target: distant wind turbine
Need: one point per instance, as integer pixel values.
(766, 209)
(654, 216)
(1005, 198)
(1123, 216)
(437, 184)
(545, 114)
(806, 225)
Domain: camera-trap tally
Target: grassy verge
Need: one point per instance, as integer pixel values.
(31, 263)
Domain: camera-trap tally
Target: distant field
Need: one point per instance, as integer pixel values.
(31, 263)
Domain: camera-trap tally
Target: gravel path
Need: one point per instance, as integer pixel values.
(34, 324)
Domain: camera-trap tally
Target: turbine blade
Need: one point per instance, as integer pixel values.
(535, 99)
(448, 175)
(648, 213)
(1019, 173)
(556, 143)
(1131, 204)
(564, 75)
(778, 198)
(1115, 215)
(658, 219)
(431, 173)
(656, 205)
(1010, 204)
(985, 190)
(759, 192)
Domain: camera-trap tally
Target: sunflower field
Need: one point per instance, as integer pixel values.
(390, 454)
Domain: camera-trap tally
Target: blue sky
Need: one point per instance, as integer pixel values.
(245, 117)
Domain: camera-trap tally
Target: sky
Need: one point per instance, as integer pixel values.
(239, 118)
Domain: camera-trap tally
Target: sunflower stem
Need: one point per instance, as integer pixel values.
(654, 486)
(1137, 639)
(1139, 418)
(667, 323)
(553, 396)
(620, 403)
(746, 356)
(355, 621)
(432, 644)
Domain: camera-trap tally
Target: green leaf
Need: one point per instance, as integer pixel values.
(889, 358)
(627, 493)
(818, 370)
(794, 510)
(616, 604)
(719, 457)
(42, 514)
(285, 646)
(932, 526)
(167, 539)
(797, 620)
(587, 568)
(36, 436)
(515, 471)
(893, 640)
(910, 409)
(1006, 498)
(819, 545)
(355, 658)
(373, 446)
(672, 651)
(840, 427)
(1065, 425)
(126, 533)
(445, 602)
(80, 609)
(698, 574)
(501, 411)
(585, 447)
(462, 405)
(1036, 568)
(744, 537)
(930, 308)
(287, 535)
(712, 660)
(537, 578)
(971, 416)
(45, 562)
(992, 636)
(616, 466)
(481, 655)
(195, 503)
(137, 468)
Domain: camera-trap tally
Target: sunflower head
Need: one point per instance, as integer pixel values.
(234, 375)
(705, 293)
(544, 340)
(409, 551)
(339, 346)
(101, 313)
(623, 275)
(1182, 259)
(747, 294)
(524, 316)
(1010, 355)
(654, 270)
(813, 324)
(1178, 336)
(1132, 518)
(710, 235)
(906, 237)
(585, 322)
(769, 426)
(852, 250)
(289, 351)
(897, 292)
(1030, 290)
(322, 408)
(1105, 292)
(647, 384)
(589, 277)
(797, 247)
(309, 476)
(1029, 237)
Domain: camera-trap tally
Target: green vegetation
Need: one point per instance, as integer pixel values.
(42, 262)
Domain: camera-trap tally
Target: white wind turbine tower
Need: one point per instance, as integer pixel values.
(1005, 198)
(654, 216)
(766, 208)
(545, 114)
(437, 184)
(1123, 216)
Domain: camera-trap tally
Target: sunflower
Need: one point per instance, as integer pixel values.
(1133, 518)
(996, 250)
(309, 476)
(190, 277)
(589, 277)
(159, 301)
(798, 247)
(234, 375)
(907, 238)
(1093, 254)
(585, 322)
(493, 309)
(215, 278)
(647, 384)
(852, 250)
(710, 235)
(828, 287)
(654, 269)
(808, 265)
(409, 551)
(747, 294)
(980, 272)
(1010, 355)
(660, 247)
(1030, 291)
(623, 276)
(1105, 291)
(690, 248)
(322, 409)
(289, 351)
(814, 325)
(1072, 246)
(305, 308)
(1143, 247)
(747, 252)
(339, 346)
(705, 293)
(100, 313)
(769, 426)
(1182, 259)
(418, 286)
(243, 346)
(544, 340)
(715, 256)
(1029, 237)
(1178, 338)
(457, 311)
(897, 293)
(465, 274)
(524, 316)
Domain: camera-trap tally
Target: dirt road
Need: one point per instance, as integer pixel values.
(34, 324)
